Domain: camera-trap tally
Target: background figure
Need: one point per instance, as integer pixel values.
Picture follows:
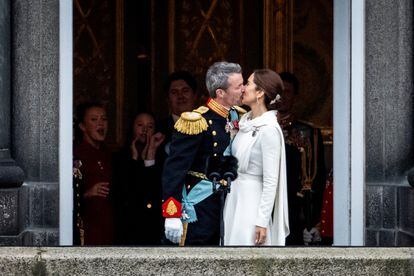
(137, 174)
(181, 90)
(200, 136)
(94, 216)
(305, 165)
(327, 212)
(256, 211)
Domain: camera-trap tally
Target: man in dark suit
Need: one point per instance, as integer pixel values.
(181, 90)
(199, 136)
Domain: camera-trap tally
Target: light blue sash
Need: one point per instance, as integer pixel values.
(198, 193)
(202, 189)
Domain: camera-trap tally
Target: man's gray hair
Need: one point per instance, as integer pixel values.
(218, 74)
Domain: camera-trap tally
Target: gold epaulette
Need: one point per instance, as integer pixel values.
(201, 110)
(192, 123)
(240, 110)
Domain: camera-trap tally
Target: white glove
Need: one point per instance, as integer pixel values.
(316, 236)
(312, 236)
(307, 237)
(173, 229)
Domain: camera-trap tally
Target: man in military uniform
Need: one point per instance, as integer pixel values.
(305, 167)
(201, 135)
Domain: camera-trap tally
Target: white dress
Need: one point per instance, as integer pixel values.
(259, 194)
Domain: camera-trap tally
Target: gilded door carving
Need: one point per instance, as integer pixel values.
(203, 32)
(97, 64)
(298, 37)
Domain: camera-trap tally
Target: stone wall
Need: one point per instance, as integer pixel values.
(389, 122)
(34, 124)
(11, 175)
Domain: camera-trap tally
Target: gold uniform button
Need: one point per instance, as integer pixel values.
(210, 122)
(215, 144)
(149, 205)
(214, 133)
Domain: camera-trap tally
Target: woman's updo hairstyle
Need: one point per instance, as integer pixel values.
(271, 84)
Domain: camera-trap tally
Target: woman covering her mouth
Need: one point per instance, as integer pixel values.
(137, 174)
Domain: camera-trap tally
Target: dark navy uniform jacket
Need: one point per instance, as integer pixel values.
(190, 153)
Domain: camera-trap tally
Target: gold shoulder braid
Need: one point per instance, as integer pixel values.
(201, 110)
(240, 110)
(192, 123)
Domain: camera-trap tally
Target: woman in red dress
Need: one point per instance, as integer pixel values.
(94, 214)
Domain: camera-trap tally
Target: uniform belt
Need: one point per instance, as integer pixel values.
(203, 176)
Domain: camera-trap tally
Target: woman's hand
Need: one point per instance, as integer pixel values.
(144, 152)
(134, 150)
(260, 234)
(155, 141)
(100, 189)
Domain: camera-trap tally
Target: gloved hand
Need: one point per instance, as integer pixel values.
(312, 236)
(173, 229)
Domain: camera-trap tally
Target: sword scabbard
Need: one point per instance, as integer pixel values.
(182, 241)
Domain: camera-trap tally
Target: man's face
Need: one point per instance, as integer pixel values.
(232, 95)
(181, 97)
(288, 97)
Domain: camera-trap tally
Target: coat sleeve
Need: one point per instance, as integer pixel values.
(271, 155)
(183, 150)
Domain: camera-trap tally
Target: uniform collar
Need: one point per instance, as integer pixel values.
(217, 108)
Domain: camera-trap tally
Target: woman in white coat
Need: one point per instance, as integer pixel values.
(255, 211)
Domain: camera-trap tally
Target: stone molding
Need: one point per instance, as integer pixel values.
(11, 176)
(210, 261)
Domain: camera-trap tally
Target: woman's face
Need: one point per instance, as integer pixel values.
(250, 94)
(94, 125)
(144, 125)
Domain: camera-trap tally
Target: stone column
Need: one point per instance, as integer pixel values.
(11, 176)
(390, 117)
(35, 116)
